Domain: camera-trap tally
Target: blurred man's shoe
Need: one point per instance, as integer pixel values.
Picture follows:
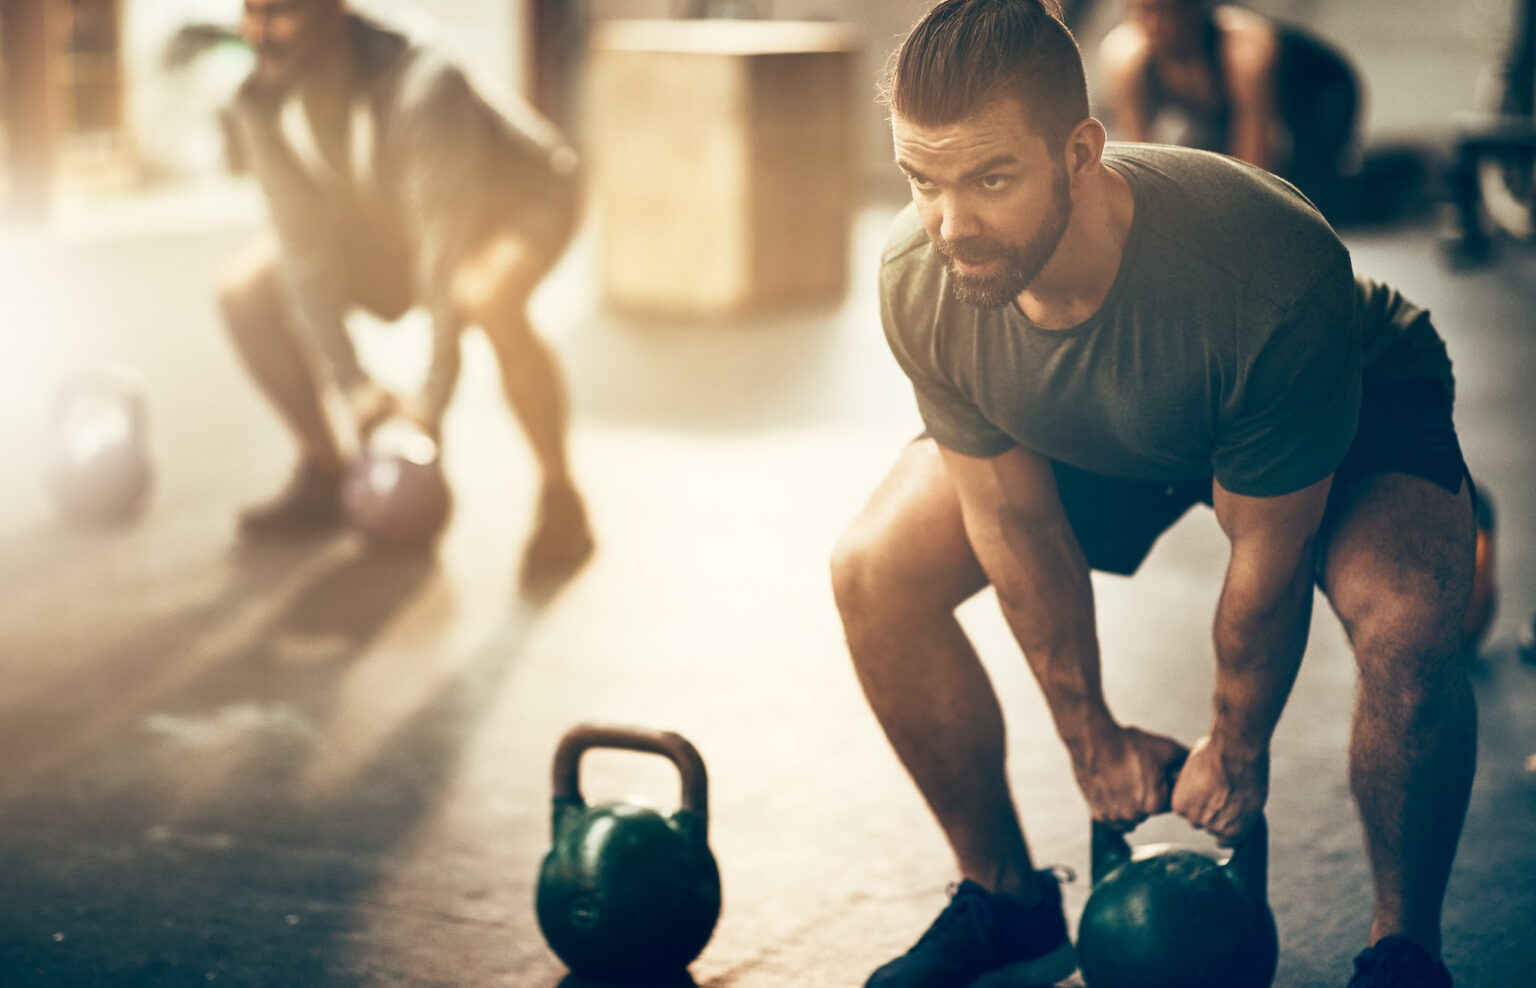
(310, 501)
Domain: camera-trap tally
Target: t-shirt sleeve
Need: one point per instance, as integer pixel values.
(948, 415)
(1292, 415)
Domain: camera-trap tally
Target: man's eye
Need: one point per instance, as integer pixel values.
(994, 182)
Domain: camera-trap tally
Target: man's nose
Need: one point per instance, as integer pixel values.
(958, 221)
(255, 30)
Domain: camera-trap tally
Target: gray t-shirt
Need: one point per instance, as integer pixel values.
(1232, 343)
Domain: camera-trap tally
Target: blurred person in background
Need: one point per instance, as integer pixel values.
(1224, 78)
(392, 182)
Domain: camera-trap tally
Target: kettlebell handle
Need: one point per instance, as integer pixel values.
(678, 749)
(1248, 862)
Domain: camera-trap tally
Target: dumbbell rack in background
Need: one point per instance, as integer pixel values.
(1493, 179)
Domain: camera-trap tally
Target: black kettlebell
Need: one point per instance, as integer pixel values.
(1171, 917)
(99, 470)
(626, 893)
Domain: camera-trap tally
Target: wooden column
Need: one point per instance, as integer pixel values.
(25, 89)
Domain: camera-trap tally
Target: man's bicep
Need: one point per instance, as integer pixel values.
(1023, 540)
(1270, 534)
(1015, 486)
(1252, 84)
(1252, 64)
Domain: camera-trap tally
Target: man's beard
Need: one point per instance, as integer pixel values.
(1021, 264)
(277, 68)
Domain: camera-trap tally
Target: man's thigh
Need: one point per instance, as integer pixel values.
(379, 275)
(910, 535)
(914, 516)
(1396, 563)
(1397, 543)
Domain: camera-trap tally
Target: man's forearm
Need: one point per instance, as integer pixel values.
(443, 370)
(1043, 587)
(1260, 635)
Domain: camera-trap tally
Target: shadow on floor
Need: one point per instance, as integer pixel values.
(180, 833)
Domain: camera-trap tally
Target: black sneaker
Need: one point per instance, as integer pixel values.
(310, 501)
(982, 940)
(1395, 962)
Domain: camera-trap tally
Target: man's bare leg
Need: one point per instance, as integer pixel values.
(1398, 570)
(260, 323)
(899, 573)
(492, 290)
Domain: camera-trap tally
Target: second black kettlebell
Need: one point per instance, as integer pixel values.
(627, 893)
(1172, 917)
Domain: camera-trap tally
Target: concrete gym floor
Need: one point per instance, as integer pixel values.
(305, 765)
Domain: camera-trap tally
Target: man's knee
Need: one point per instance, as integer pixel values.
(907, 554)
(1410, 656)
(856, 571)
(491, 287)
(1398, 571)
(874, 576)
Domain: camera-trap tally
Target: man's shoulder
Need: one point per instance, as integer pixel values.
(389, 57)
(909, 266)
(913, 293)
(1246, 33)
(1250, 52)
(906, 242)
(1212, 215)
(404, 67)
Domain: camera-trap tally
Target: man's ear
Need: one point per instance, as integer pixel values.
(1085, 146)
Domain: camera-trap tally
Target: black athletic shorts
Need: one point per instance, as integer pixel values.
(1404, 427)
